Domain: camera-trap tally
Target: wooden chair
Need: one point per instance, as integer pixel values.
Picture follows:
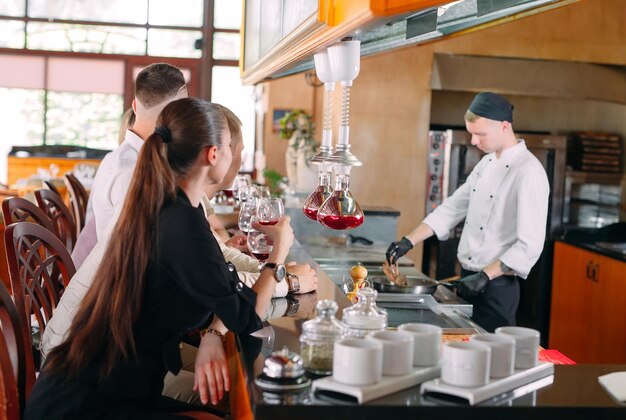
(49, 185)
(16, 343)
(52, 204)
(18, 209)
(40, 267)
(78, 200)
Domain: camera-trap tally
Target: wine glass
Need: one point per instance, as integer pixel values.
(259, 243)
(241, 181)
(270, 210)
(246, 193)
(246, 212)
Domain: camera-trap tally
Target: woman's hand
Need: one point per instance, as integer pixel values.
(306, 276)
(211, 370)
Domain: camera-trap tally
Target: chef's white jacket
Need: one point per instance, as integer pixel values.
(505, 205)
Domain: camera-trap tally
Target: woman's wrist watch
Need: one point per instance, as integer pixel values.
(294, 282)
(280, 272)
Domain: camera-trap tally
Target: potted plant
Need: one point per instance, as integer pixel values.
(298, 128)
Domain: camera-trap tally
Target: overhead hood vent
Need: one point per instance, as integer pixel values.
(556, 79)
(385, 34)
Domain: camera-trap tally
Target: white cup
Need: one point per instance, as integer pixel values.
(357, 361)
(397, 351)
(502, 353)
(426, 343)
(526, 345)
(465, 363)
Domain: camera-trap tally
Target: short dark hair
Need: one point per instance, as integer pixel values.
(157, 82)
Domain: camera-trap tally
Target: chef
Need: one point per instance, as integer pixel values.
(504, 203)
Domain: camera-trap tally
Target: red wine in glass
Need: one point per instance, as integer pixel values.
(261, 256)
(268, 222)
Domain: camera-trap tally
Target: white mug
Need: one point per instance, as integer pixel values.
(502, 353)
(526, 345)
(426, 343)
(397, 351)
(357, 361)
(465, 363)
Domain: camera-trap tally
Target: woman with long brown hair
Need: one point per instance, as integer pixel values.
(163, 276)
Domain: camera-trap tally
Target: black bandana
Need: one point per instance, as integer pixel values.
(492, 106)
(164, 132)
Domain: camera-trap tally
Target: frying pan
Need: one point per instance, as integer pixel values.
(415, 285)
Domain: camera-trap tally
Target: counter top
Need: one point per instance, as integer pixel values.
(593, 246)
(575, 390)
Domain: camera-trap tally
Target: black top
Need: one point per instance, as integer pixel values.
(186, 282)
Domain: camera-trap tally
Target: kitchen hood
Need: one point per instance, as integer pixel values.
(554, 79)
(385, 33)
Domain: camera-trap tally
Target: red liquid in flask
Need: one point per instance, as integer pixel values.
(315, 200)
(341, 222)
(311, 213)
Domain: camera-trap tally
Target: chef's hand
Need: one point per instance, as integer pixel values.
(398, 249)
(473, 285)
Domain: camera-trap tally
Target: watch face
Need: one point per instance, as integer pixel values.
(281, 272)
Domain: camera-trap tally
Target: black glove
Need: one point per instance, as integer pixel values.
(473, 285)
(398, 249)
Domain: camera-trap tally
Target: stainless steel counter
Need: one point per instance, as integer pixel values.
(444, 308)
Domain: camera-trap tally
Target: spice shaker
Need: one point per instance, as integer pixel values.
(318, 338)
(364, 316)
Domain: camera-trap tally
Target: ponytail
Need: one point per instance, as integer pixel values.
(106, 317)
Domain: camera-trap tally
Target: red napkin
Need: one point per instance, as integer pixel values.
(554, 356)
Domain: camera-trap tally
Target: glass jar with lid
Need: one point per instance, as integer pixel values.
(318, 338)
(364, 316)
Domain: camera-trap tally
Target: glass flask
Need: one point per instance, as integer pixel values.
(318, 338)
(320, 194)
(364, 316)
(340, 211)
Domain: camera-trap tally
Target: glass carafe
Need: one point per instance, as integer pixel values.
(364, 316)
(340, 211)
(320, 194)
(318, 338)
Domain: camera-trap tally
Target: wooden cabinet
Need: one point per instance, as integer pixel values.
(23, 168)
(587, 320)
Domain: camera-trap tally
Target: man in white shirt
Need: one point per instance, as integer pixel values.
(504, 203)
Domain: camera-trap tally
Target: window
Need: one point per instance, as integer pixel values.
(228, 91)
(72, 97)
(137, 27)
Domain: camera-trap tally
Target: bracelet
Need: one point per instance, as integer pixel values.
(213, 331)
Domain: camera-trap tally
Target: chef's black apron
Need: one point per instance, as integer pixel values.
(497, 305)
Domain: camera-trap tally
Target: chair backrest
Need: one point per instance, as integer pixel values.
(18, 209)
(18, 348)
(52, 204)
(49, 185)
(9, 392)
(78, 200)
(40, 268)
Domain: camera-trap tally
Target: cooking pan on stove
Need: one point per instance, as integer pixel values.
(415, 285)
